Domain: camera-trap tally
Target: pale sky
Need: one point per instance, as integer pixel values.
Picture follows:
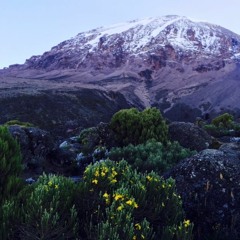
(32, 27)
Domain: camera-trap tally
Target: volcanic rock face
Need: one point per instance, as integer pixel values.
(179, 65)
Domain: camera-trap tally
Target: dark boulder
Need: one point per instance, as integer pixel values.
(189, 135)
(231, 149)
(35, 145)
(94, 137)
(209, 184)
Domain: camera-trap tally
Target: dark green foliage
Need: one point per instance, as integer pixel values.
(132, 126)
(89, 139)
(18, 123)
(151, 155)
(10, 183)
(44, 210)
(116, 202)
(225, 121)
(10, 165)
(223, 125)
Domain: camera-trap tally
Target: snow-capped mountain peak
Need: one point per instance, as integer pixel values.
(169, 38)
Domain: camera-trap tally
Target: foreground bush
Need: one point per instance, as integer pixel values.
(10, 169)
(44, 210)
(152, 155)
(116, 202)
(10, 164)
(132, 126)
(113, 201)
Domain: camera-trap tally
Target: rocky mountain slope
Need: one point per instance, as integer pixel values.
(184, 67)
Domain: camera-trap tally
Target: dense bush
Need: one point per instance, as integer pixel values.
(223, 125)
(10, 164)
(132, 126)
(151, 155)
(225, 120)
(10, 169)
(116, 202)
(44, 210)
(113, 201)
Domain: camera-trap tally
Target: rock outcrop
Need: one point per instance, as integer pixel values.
(189, 136)
(209, 183)
(35, 144)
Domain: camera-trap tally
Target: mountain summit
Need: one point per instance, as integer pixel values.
(185, 68)
(155, 41)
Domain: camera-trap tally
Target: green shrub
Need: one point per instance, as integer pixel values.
(132, 126)
(223, 125)
(48, 210)
(10, 183)
(151, 155)
(10, 165)
(117, 202)
(225, 121)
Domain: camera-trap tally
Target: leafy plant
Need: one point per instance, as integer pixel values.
(223, 125)
(132, 126)
(10, 183)
(49, 211)
(10, 165)
(225, 121)
(151, 155)
(117, 202)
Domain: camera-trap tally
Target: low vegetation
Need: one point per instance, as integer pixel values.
(223, 125)
(121, 195)
(151, 155)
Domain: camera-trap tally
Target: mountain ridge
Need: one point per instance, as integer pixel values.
(185, 68)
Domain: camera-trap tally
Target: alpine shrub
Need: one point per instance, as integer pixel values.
(151, 155)
(132, 126)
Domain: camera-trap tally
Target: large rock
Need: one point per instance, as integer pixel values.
(209, 183)
(189, 135)
(35, 146)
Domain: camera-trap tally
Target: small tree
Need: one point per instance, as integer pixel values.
(132, 126)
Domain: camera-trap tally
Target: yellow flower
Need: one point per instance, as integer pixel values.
(113, 181)
(186, 223)
(163, 204)
(119, 208)
(114, 173)
(105, 195)
(149, 178)
(103, 174)
(95, 181)
(138, 226)
(142, 236)
(50, 183)
(134, 237)
(118, 196)
(129, 202)
(163, 185)
(96, 174)
(56, 186)
(135, 205)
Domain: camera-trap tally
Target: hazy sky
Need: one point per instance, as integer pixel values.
(31, 27)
